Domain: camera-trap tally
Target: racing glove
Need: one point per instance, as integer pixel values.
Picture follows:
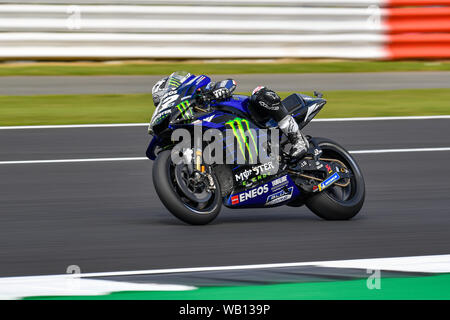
(222, 93)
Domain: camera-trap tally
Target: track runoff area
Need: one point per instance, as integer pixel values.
(413, 277)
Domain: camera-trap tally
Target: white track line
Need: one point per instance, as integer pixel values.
(400, 150)
(74, 160)
(382, 118)
(69, 126)
(111, 125)
(431, 264)
(145, 158)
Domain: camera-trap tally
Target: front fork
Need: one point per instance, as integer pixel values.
(196, 168)
(198, 150)
(198, 161)
(193, 158)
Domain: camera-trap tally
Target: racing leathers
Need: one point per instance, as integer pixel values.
(267, 104)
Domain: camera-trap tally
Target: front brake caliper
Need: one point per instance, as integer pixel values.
(212, 185)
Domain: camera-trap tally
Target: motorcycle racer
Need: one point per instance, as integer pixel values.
(265, 104)
(329, 182)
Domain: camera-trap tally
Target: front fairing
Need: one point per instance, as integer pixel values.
(154, 143)
(172, 98)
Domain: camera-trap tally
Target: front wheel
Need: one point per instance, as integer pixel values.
(335, 202)
(188, 200)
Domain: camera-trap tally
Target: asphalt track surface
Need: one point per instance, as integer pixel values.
(24, 85)
(105, 216)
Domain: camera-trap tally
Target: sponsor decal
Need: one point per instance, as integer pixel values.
(174, 82)
(328, 181)
(161, 116)
(328, 168)
(243, 175)
(207, 119)
(234, 200)
(263, 104)
(279, 196)
(260, 170)
(274, 106)
(199, 79)
(244, 196)
(317, 152)
(263, 168)
(254, 179)
(303, 163)
(240, 127)
(185, 111)
(279, 181)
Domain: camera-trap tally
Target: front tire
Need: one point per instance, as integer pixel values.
(339, 203)
(169, 191)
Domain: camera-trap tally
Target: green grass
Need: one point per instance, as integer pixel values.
(424, 288)
(219, 68)
(75, 109)
(85, 109)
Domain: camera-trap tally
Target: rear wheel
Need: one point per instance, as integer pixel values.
(339, 202)
(188, 199)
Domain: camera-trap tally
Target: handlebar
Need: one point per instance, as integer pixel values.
(204, 97)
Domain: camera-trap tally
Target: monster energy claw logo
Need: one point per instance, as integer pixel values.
(186, 112)
(241, 133)
(174, 82)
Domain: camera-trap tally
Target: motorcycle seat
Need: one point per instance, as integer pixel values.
(293, 102)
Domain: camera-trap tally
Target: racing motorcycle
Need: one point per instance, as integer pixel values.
(327, 180)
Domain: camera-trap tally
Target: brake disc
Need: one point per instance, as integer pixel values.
(193, 189)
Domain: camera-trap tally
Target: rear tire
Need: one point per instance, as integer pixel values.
(326, 204)
(181, 207)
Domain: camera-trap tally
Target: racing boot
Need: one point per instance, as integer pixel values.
(290, 128)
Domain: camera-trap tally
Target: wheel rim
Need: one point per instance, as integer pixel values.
(200, 202)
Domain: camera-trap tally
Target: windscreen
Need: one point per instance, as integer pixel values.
(175, 80)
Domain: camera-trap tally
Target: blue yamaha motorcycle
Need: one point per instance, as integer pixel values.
(327, 180)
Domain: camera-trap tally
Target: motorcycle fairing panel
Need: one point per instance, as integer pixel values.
(250, 185)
